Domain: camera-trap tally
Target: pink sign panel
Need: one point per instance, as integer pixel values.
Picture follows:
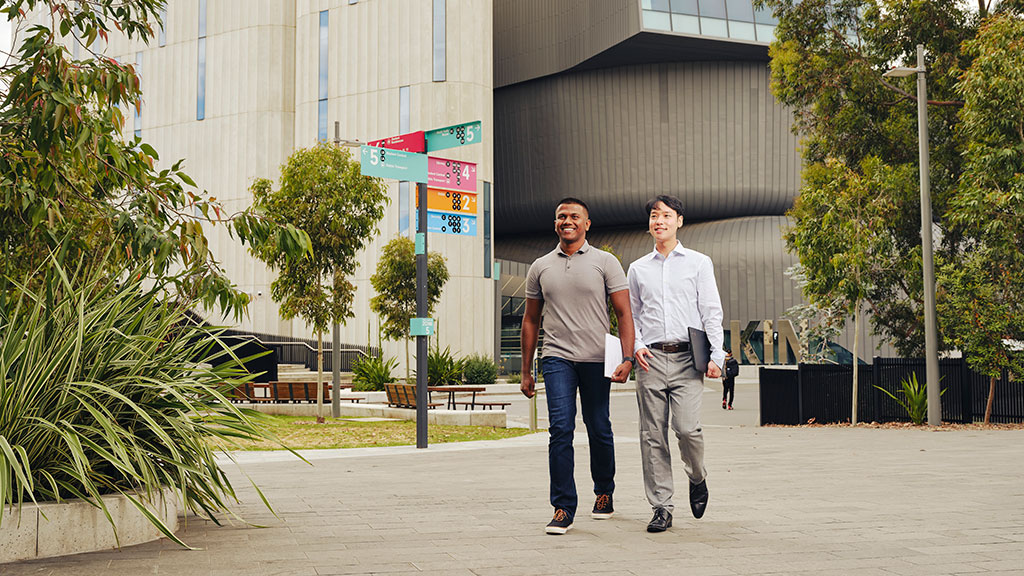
(451, 174)
(411, 142)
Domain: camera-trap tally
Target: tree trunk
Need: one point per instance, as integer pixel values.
(991, 397)
(319, 377)
(407, 373)
(856, 367)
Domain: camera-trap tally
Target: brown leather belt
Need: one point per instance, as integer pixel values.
(671, 347)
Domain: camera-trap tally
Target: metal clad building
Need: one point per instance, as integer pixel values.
(617, 101)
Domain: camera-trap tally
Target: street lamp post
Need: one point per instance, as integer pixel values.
(335, 329)
(931, 344)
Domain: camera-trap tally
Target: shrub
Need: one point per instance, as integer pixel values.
(480, 369)
(915, 398)
(371, 373)
(515, 378)
(102, 391)
(443, 369)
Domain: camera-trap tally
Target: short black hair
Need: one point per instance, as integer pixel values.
(571, 200)
(669, 201)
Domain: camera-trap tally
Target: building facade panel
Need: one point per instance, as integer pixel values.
(606, 135)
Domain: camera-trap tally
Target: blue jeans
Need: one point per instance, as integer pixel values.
(562, 378)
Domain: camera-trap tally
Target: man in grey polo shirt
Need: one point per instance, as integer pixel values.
(572, 284)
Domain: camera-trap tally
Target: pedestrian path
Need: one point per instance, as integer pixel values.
(858, 501)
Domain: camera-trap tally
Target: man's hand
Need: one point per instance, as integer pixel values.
(621, 373)
(641, 358)
(713, 370)
(527, 386)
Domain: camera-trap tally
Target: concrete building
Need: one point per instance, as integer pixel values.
(614, 101)
(235, 86)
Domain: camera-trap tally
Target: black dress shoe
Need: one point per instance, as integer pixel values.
(662, 521)
(699, 498)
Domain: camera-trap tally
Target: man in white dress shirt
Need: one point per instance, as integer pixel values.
(672, 289)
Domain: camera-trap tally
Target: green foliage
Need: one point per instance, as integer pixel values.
(515, 378)
(613, 328)
(371, 373)
(479, 369)
(981, 289)
(443, 368)
(71, 179)
(395, 284)
(915, 398)
(860, 145)
(101, 392)
(323, 194)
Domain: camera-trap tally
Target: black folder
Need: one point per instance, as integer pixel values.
(701, 347)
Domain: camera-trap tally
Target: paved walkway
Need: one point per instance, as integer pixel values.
(783, 501)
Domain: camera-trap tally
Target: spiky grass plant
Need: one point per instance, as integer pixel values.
(102, 391)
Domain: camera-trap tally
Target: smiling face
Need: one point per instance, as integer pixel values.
(571, 223)
(663, 223)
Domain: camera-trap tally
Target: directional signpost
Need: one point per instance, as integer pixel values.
(450, 207)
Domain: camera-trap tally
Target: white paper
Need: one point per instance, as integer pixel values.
(612, 354)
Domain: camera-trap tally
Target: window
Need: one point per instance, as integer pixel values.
(163, 26)
(403, 187)
(201, 55)
(487, 230)
(322, 81)
(439, 41)
(138, 113)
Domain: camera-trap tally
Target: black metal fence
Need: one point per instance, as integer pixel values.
(823, 392)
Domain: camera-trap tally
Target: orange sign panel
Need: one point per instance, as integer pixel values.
(449, 201)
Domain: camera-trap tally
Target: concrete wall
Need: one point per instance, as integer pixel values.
(74, 527)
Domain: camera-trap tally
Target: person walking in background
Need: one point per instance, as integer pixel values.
(732, 370)
(671, 290)
(572, 285)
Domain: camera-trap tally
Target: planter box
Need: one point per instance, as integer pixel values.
(75, 526)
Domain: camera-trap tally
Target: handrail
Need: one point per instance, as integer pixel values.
(306, 344)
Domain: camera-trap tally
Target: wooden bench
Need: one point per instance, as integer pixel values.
(285, 391)
(484, 405)
(404, 396)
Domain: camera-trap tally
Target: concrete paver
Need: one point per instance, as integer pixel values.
(871, 502)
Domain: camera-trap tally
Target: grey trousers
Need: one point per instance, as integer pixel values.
(669, 394)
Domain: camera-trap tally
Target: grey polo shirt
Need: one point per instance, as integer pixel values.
(575, 290)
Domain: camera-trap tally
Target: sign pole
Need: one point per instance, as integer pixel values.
(421, 312)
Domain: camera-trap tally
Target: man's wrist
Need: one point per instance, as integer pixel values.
(628, 359)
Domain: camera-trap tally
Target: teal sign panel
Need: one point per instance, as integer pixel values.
(452, 136)
(394, 164)
(447, 223)
(497, 271)
(421, 243)
(421, 326)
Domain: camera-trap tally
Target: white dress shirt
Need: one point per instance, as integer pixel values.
(670, 294)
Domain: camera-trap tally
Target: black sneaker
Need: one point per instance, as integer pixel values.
(560, 524)
(603, 509)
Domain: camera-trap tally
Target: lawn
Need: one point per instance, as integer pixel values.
(303, 433)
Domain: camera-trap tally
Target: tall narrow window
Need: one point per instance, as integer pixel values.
(439, 40)
(201, 80)
(321, 105)
(163, 26)
(138, 113)
(403, 187)
(487, 230)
